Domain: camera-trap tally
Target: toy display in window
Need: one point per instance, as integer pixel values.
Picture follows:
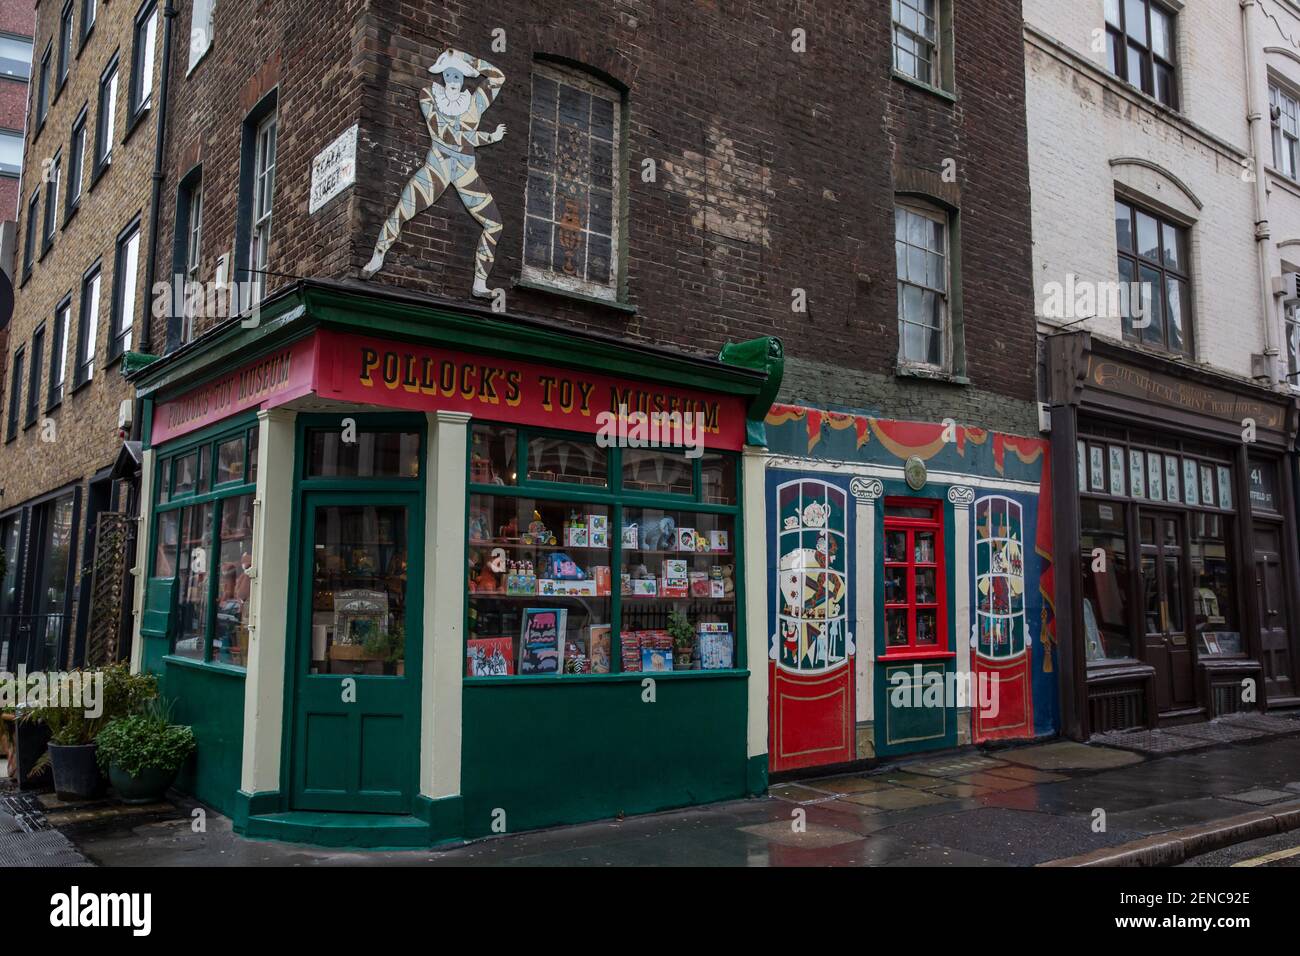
(896, 629)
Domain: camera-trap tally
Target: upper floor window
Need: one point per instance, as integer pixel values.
(107, 120)
(65, 43)
(11, 152)
(76, 162)
(571, 236)
(126, 275)
(142, 57)
(59, 352)
(29, 237)
(1286, 130)
(15, 393)
(15, 58)
(1154, 265)
(1293, 341)
(921, 254)
(1140, 47)
(200, 30)
(43, 88)
(193, 239)
(918, 50)
(87, 326)
(89, 8)
(263, 200)
(34, 382)
(52, 181)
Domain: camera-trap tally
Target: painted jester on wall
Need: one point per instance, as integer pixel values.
(453, 114)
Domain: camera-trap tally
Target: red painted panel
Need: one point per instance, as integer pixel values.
(811, 717)
(1009, 681)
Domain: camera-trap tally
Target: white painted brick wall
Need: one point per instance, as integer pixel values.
(1080, 121)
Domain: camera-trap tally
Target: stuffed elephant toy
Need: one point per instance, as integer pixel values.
(659, 535)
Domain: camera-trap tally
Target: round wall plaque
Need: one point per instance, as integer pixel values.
(915, 473)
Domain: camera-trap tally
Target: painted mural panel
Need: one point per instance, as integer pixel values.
(811, 649)
(1002, 641)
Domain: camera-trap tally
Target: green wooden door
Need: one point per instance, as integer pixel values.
(356, 650)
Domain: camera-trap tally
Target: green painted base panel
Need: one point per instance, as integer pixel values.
(369, 831)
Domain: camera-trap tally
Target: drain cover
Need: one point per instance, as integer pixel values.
(44, 848)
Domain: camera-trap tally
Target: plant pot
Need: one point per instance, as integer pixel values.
(76, 773)
(682, 659)
(149, 787)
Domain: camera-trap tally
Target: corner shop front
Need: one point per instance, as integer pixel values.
(404, 595)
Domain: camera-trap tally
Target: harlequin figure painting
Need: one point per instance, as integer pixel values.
(453, 113)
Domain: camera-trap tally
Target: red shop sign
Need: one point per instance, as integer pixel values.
(368, 371)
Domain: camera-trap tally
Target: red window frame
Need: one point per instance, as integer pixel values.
(912, 526)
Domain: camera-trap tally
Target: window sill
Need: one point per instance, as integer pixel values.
(53, 407)
(930, 374)
(27, 274)
(534, 286)
(80, 385)
(890, 657)
(85, 38)
(45, 250)
(189, 70)
(212, 667)
(135, 121)
(72, 211)
(933, 90)
(28, 426)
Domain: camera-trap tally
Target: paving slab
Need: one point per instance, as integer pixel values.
(953, 766)
(1173, 815)
(962, 790)
(811, 835)
(898, 798)
(1260, 797)
(1068, 755)
(915, 781)
(799, 794)
(1028, 774)
(991, 782)
(848, 784)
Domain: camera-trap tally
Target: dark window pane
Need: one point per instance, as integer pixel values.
(370, 455)
(1124, 226)
(1148, 236)
(567, 460)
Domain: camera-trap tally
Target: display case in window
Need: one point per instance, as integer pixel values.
(913, 578)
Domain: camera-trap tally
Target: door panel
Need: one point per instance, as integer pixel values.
(1164, 589)
(1270, 598)
(357, 654)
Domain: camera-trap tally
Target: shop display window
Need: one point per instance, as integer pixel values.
(203, 541)
(913, 578)
(1214, 602)
(1104, 558)
(813, 572)
(594, 561)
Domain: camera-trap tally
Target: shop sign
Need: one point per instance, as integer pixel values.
(1148, 386)
(267, 381)
(367, 371)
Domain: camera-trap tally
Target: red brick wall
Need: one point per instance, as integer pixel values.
(776, 170)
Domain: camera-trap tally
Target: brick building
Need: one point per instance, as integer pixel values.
(844, 296)
(83, 243)
(1164, 196)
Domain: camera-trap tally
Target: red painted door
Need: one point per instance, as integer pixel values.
(810, 673)
(1003, 700)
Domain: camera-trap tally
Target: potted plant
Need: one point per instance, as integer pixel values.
(74, 726)
(679, 629)
(143, 753)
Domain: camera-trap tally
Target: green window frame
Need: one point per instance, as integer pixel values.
(174, 494)
(617, 500)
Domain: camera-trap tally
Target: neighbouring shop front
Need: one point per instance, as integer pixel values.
(909, 598)
(406, 592)
(1177, 537)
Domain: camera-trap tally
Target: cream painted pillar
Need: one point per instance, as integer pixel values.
(865, 492)
(961, 498)
(140, 572)
(444, 605)
(268, 628)
(754, 514)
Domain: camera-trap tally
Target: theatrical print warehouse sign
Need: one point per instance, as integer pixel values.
(364, 371)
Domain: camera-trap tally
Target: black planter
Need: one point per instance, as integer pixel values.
(76, 772)
(30, 738)
(149, 787)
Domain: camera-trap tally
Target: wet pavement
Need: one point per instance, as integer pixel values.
(1010, 807)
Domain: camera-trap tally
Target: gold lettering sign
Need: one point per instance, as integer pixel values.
(1153, 386)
